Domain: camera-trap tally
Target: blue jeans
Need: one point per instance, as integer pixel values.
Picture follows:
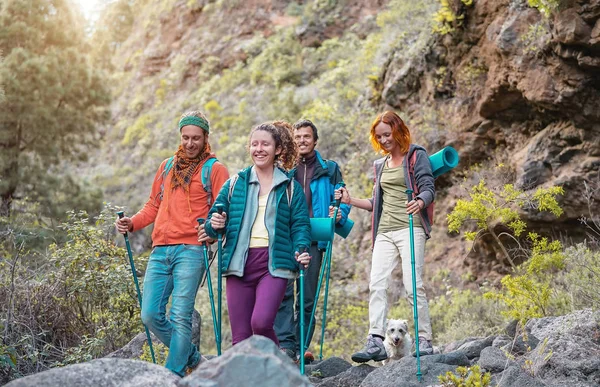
(176, 270)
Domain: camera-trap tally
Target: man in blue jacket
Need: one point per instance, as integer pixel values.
(318, 178)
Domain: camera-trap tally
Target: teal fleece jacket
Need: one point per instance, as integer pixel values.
(288, 225)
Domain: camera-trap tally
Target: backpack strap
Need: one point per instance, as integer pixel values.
(205, 178)
(290, 192)
(331, 169)
(163, 175)
(413, 181)
(232, 181)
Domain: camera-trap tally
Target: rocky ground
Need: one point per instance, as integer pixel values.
(552, 351)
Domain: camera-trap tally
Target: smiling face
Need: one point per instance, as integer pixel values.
(263, 149)
(193, 140)
(383, 135)
(305, 140)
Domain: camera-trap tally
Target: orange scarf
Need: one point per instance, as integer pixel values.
(184, 168)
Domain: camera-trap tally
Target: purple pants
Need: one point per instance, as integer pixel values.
(253, 300)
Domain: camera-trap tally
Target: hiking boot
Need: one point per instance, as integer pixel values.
(373, 350)
(425, 347)
(193, 368)
(308, 357)
(290, 353)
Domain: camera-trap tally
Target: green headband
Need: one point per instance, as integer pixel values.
(196, 121)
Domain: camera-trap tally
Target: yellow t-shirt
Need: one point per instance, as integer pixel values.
(393, 214)
(259, 236)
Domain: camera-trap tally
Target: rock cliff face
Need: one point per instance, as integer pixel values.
(511, 86)
(508, 85)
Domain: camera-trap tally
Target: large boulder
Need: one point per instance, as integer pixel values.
(102, 373)
(569, 349)
(256, 361)
(403, 373)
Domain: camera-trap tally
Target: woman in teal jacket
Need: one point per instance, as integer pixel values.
(266, 225)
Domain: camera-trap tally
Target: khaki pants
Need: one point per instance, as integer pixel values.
(391, 247)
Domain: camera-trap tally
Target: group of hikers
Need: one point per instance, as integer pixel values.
(265, 222)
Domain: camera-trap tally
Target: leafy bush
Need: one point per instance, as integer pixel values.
(531, 292)
(81, 305)
(467, 377)
(583, 276)
(450, 15)
(546, 7)
(488, 207)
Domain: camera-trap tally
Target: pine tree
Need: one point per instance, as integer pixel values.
(54, 98)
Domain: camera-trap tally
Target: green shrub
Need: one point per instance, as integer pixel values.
(467, 377)
(488, 207)
(531, 291)
(583, 276)
(546, 7)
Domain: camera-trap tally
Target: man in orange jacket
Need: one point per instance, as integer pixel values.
(176, 266)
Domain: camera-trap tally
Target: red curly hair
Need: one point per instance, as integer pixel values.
(400, 132)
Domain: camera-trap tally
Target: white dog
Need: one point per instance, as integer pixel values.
(397, 340)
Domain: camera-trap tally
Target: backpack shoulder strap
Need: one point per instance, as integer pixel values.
(205, 178)
(232, 181)
(331, 168)
(290, 192)
(163, 175)
(412, 160)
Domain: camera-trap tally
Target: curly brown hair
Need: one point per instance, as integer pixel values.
(281, 132)
(289, 155)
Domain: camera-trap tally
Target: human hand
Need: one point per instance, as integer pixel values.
(414, 206)
(203, 236)
(345, 195)
(124, 225)
(303, 259)
(217, 221)
(332, 211)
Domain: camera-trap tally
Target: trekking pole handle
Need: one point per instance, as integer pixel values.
(201, 224)
(409, 192)
(339, 201)
(121, 215)
(220, 208)
(302, 250)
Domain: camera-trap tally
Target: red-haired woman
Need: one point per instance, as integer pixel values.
(391, 244)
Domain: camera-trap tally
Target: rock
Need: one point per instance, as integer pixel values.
(501, 341)
(494, 360)
(403, 374)
(473, 348)
(455, 345)
(569, 352)
(328, 367)
(570, 28)
(100, 373)
(521, 344)
(352, 377)
(516, 376)
(255, 361)
(457, 358)
(401, 84)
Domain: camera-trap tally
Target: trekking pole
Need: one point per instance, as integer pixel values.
(220, 274)
(336, 205)
(210, 291)
(411, 230)
(318, 293)
(302, 346)
(121, 214)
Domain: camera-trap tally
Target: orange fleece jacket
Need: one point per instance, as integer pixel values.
(175, 216)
